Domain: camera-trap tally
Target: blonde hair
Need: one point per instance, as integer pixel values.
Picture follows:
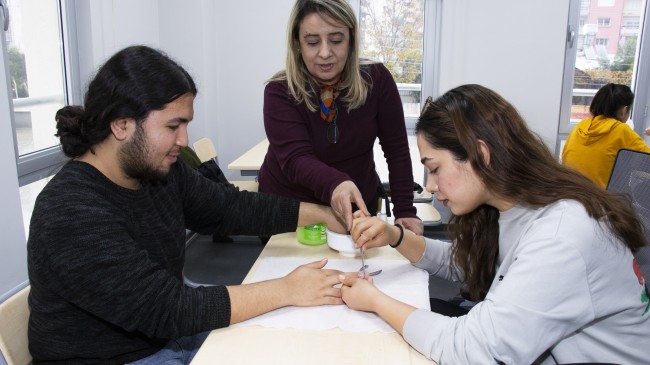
(303, 85)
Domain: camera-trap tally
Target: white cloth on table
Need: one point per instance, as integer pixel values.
(399, 279)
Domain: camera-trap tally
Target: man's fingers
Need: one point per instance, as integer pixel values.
(317, 264)
(333, 292)
(347, 280)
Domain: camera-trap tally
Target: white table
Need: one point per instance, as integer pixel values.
(250, 162)
(269, 346)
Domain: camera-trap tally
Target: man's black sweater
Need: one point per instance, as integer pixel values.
(106, 263)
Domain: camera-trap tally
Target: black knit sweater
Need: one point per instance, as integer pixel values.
(106, 263)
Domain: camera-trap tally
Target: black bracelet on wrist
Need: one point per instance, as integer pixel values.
(401, 236)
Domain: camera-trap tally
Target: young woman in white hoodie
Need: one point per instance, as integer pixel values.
(547, 255)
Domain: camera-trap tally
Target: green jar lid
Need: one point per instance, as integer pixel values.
(312, 235)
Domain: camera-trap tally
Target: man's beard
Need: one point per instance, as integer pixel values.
(133, 159)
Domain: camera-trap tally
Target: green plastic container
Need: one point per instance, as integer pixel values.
(313, 235)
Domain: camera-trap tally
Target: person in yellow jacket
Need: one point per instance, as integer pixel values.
(592, 145)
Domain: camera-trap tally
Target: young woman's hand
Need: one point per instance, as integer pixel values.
(359, 293)
(368, 232)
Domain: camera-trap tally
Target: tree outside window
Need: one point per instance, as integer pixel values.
(18, 73)
(391, 32)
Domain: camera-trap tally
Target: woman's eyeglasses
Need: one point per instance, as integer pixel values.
(333, 134)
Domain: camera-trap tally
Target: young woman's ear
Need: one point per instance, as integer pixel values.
(485, 152)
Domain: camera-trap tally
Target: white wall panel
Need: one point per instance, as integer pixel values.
(514, 47)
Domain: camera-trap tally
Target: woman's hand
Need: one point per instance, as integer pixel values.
(412, 224)
(342, 198)
(359, 293)
(368, 232)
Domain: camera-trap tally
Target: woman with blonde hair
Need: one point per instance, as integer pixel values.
(547, 255)
(323, 113)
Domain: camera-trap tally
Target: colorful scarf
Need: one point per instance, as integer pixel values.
(328, 94)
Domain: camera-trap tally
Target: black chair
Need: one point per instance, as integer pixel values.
(207, 263)
(631, 176)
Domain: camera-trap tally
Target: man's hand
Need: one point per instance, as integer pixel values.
(310, 285)
(307, 285)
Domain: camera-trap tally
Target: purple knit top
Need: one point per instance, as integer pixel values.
(302, 164)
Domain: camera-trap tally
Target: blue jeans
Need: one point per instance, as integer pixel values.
(177, 352)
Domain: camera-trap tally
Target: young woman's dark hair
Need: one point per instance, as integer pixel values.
(520, 168)
(610, 99)
(131, 84)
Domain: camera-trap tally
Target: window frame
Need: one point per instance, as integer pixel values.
(641, 80)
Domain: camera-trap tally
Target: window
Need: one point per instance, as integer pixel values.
(596, 57)
(405, 36)
(392, 32)
(603, 22)
(601, 42)
(631, 23)
(39, 82)
(402, 34)
(36, 72)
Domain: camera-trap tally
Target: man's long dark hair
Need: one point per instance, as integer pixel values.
(131, 84)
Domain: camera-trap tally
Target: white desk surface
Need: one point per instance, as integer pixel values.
(428, 213)
(270, 346)
(252, 159)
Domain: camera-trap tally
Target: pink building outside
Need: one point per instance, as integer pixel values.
(607, 24)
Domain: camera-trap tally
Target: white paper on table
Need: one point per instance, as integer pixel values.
(399, 279)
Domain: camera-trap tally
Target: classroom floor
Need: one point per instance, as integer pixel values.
(220, 263)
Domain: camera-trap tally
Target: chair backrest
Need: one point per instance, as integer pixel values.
(205, 149)
(207, 153)
(14, 317)
(631, 176)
